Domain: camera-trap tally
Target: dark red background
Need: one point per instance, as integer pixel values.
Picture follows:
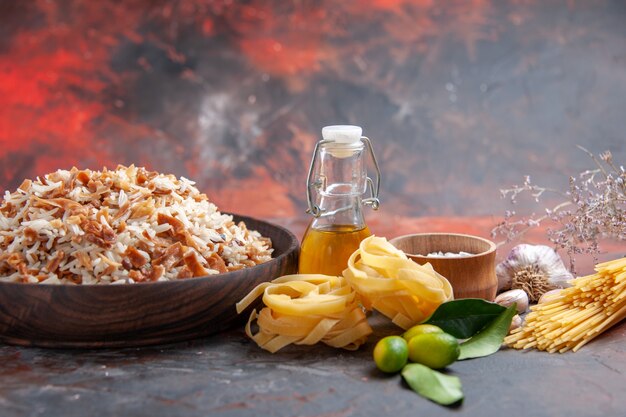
(460, 97)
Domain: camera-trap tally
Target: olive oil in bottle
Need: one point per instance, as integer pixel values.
(327, 250)
(336, 184)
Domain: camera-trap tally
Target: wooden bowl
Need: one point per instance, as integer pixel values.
(93, 316)
(471, 276)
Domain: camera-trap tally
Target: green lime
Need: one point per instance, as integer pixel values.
(420, 329)
(391, 353)
(435, 350)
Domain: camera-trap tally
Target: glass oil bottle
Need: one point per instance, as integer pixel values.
(336, 187)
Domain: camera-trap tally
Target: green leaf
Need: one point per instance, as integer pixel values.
(490, 339)
(440, 388)
(464, 318)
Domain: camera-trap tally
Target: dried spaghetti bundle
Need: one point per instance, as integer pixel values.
(305, 309)
(575, 316)
(389, 282)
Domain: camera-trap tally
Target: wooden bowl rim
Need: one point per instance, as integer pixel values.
(294, 243)
(492, 245)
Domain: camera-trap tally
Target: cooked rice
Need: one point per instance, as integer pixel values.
(123, 226)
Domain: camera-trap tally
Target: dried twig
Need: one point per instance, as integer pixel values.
(594, 208)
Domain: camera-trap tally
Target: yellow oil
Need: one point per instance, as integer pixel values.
(327, 250)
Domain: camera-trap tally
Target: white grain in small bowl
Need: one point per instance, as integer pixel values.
(471, 276)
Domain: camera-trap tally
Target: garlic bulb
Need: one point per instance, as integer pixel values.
(535, 269)
(517, 297)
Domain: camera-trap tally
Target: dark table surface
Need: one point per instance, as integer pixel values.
(228, 375)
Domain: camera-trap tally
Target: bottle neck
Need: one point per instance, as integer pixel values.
(340, 210)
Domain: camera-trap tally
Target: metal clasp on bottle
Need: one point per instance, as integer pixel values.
(373, 186)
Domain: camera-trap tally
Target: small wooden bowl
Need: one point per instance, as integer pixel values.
(471, 276)
(95, 316)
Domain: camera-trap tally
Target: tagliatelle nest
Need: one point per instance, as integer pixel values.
(304, 310)
(118, 226)
(391, 283)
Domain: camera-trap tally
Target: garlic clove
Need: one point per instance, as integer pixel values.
(516, 322)
(517, 297)
(549, 295)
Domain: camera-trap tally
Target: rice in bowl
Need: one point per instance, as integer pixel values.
(119, 226)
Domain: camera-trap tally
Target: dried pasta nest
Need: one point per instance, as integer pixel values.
(117, 226)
